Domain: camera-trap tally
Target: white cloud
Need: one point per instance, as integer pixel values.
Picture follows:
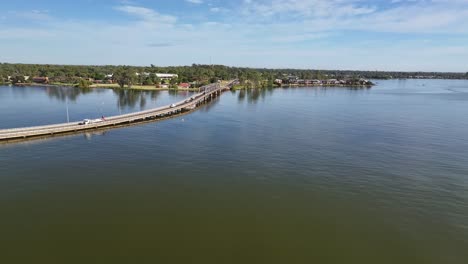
(146, 14)
(413, 18)
(218, 10)
(197, 2)
(306, 8)
(417, 16)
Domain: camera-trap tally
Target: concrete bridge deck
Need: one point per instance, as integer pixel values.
(208, 92)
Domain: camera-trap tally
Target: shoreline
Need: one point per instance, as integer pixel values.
(242, 87)
(135, 87)
(151, 88)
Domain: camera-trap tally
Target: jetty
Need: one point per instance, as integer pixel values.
(206, 94)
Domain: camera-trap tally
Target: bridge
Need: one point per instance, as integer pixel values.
(206, 94)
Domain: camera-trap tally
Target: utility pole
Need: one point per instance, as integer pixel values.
(66, 103)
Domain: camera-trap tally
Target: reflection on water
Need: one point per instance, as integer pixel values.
(210, 105)
(29, 106)
(130, 98)
(64, 93)
(89, 135)
(60, 93)
(253, 95)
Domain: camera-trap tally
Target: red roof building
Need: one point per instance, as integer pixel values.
(184, 85)
(40, 79)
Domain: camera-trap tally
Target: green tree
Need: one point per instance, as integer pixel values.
(124, 76)
(141, 78)
(148, 81)
(99, 76)
(18, 79)
(174, 81)
(157, 81)
(82, 83)
(153, 77)
(319, 75)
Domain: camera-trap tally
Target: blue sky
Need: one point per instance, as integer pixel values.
(406, 35)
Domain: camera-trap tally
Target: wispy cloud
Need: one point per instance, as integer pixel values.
(417, 16)
(32, 14)
(197, 2)
(147, 14)
(160, 44)
(306, 8)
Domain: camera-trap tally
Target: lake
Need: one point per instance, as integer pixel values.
(289, 175)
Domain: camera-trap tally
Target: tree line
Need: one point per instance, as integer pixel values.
(196, 73)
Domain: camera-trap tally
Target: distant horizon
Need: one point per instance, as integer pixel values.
(233, 66)
(364, 35)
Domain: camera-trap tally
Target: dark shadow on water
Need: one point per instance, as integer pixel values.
(127, 98)
(211, 104)
(67, 93)
(257, 94)
(242, 95)
(154, 94)
(253, 95)
(173, 93)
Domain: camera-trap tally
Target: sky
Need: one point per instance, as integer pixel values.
(399, 35)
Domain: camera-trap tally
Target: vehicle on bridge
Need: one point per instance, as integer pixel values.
(190, 99)
(90, 121)
(173, 105)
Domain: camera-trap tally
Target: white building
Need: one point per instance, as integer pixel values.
(162, 76)
(166, 76)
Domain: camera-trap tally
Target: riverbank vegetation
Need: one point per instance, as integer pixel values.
(140, 77)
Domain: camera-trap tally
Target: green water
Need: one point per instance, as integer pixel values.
(298, 175)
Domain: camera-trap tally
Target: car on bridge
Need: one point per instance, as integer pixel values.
(90, 121)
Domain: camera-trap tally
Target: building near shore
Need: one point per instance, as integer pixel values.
(162, 76)
(40, 79)
(166, 76)
(184, 85)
